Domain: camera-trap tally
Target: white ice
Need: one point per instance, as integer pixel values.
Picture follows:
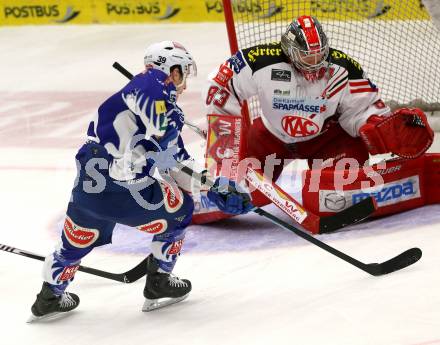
(253, 282)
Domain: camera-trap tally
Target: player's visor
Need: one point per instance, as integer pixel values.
(190, 70)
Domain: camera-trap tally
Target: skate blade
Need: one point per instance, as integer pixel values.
(48, 317)
(153, 304)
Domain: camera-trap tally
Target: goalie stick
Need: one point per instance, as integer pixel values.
(307, 219)
(290, 206)
(130, 276)
(396, 263)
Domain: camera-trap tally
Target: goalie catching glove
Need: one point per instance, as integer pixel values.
(226, 195)
(405, 132)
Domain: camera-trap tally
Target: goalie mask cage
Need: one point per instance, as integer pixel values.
(395, 41)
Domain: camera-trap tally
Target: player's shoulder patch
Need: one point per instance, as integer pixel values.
(160, 107)
(264, 55)
(353, 67)
(236, 62)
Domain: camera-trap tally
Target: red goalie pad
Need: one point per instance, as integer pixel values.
(225, 149)
(397, 185)
(405, 133)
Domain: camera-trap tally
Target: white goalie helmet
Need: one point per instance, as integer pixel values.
(167, 54)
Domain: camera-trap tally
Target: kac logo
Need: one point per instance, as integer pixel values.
(297, 126)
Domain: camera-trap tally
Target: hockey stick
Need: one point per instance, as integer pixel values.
(130, 276)
(400, 261)
(311, 221)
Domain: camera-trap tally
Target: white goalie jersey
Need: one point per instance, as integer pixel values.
(294, 109)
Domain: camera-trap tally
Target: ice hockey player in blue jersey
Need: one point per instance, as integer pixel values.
(127, 174)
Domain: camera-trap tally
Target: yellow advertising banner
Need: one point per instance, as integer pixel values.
(19, 12)
(22, 12)
(151, 11)
(368, 9)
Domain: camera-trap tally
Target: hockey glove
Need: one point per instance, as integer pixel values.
(228, 199)
(165, 154)
(405, 132)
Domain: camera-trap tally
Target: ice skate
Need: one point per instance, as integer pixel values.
(163, 289)
(48, 305)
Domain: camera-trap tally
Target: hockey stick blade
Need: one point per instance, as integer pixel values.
(349, 216)
(130, 276)
(136, 272)
(400, 261)
(405, 259)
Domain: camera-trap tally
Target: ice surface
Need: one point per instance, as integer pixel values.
(253, 283)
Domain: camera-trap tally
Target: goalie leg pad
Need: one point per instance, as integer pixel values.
(225, 149)
(397, 186)
(432, 178)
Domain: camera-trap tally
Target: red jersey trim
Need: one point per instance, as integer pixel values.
(367, 89)
(337, 90)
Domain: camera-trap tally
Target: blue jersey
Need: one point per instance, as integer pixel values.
(122, 122)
